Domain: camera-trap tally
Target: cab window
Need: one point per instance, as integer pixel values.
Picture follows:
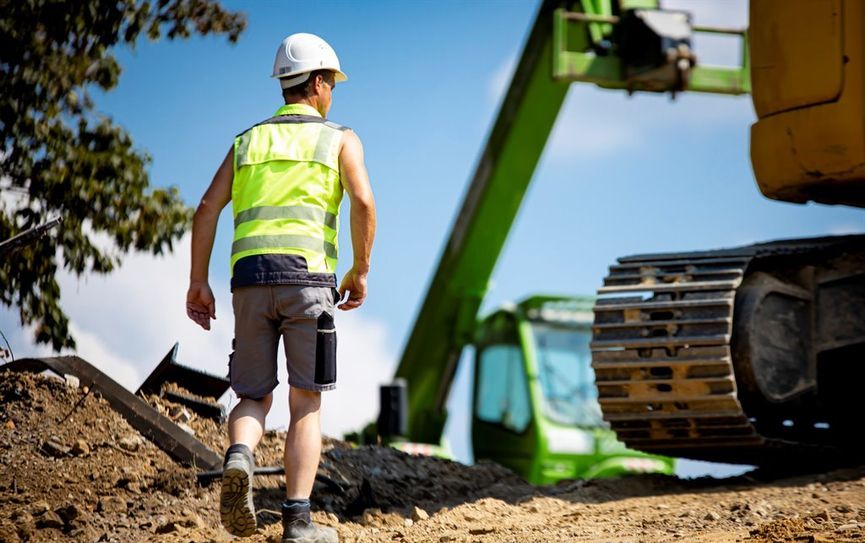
(502, 391)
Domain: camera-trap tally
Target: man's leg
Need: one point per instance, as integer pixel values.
(245, 428)
(302, 452)
(310, 350)
(302, 443)
(246, 421)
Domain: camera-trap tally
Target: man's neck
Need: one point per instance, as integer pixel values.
(311, 102)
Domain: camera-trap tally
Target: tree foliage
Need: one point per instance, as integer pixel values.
(59, 156)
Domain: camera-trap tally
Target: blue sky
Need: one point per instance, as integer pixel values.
(620, 175)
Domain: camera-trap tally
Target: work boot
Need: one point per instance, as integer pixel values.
(298, 527)
(236, 509)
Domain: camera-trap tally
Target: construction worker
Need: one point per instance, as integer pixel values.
(285, 178)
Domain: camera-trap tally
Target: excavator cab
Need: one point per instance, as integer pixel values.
(535, 407)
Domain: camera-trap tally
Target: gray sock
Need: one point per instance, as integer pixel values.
(296, 509)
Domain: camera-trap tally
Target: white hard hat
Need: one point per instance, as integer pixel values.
(300, 54)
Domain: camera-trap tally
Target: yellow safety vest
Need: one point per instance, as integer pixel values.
(286, 190)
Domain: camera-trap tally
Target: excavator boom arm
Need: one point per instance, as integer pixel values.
(447, 316)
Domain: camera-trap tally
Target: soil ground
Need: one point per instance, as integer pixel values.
(72, 469)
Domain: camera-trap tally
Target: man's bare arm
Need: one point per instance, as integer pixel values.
(355, 181)
(200, 303)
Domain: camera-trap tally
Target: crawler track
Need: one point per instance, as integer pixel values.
(663, 354)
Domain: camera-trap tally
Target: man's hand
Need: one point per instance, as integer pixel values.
(355, 283)
(200, 304)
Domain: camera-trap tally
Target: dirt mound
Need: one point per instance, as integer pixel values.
(72, 469)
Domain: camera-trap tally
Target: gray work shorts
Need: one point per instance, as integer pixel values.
(303, 317)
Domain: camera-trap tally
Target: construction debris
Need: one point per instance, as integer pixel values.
(181, 445)
(200, 391)
(374, 494)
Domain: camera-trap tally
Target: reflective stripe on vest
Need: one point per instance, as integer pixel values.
(286, 190)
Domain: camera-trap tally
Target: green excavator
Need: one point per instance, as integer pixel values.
(747, 355)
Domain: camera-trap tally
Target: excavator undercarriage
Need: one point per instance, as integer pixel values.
(754, 354)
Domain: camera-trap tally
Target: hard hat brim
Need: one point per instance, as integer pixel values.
(339, 76)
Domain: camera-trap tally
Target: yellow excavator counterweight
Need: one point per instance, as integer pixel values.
(808, 87)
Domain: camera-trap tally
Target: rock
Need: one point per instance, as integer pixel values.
(22, 517)
(408, 522)
(843, 508)
(848, 526)
(130, 443)
(112, 504)
(72, 381)
(711, 515)
(167, 528)
(128, 478)
(80, 448)
(418, 514)
(54, 448)
(49, 519)
(371, 517)
(822, 515)
(68, 513)
(10, 424)
(40, 507)
(685, 514)
(446, 538)
(190, 520)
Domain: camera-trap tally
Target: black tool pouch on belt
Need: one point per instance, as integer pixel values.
(325, 351)
(231, 356)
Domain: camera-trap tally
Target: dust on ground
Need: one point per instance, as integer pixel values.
(72, 469)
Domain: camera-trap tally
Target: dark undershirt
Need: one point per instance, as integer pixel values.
(278, 269)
